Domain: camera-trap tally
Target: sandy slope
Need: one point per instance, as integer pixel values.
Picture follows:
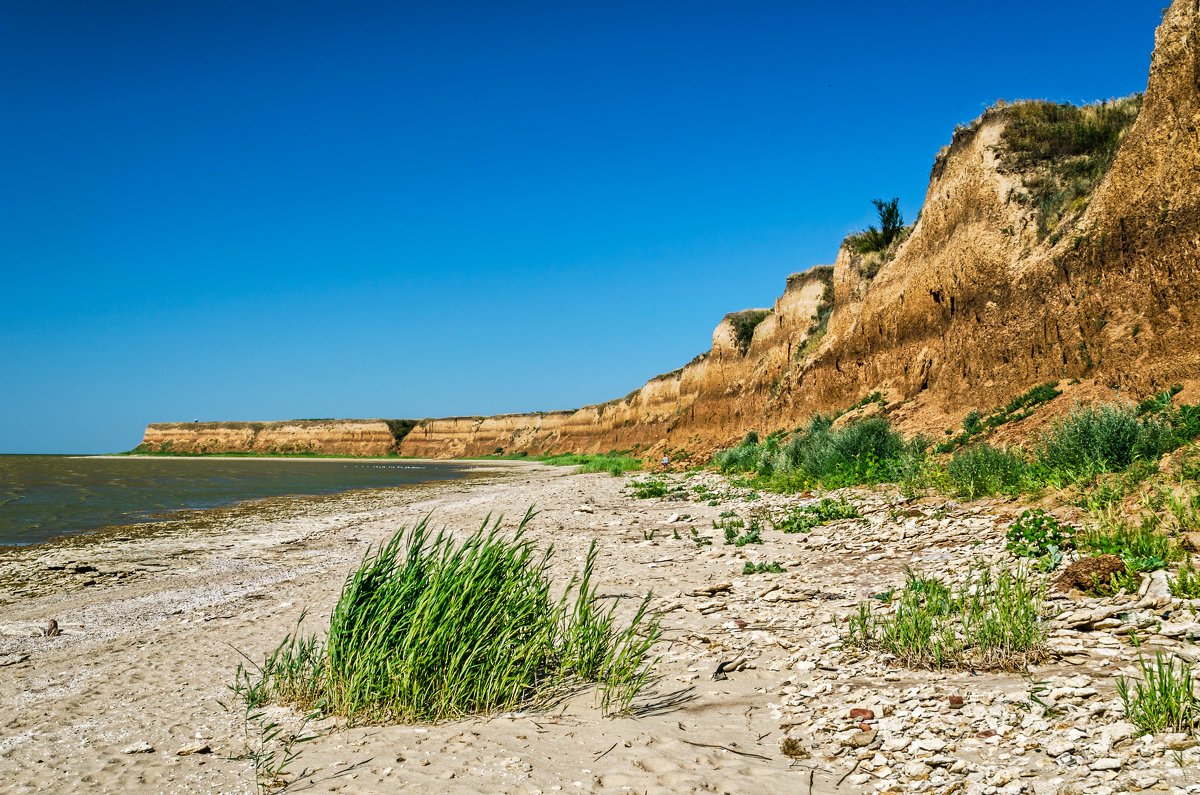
(145, 658)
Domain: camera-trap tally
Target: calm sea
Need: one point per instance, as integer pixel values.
(42, 496)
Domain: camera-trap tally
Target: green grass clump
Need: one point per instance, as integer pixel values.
(773, 567)
(806, 517)
(983, 470)
(427, 629)
(1186, 582)
(993, 621)
(1164, 699)
(1141, 545)
(1097, 439)
(1062, 152)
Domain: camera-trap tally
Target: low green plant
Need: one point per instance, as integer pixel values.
(427, 629)
(992, 621)
(738, 533)
(699, 540)
(1164, 698)
(763, 568)
(1186, 582)
(650, 488)
(804, 518)
(1036, 533)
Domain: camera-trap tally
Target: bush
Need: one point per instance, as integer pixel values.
(427, 630)
(1036, 533)
(993, 621)
(983, 470)
(1164, 699)
(891, 224)
(1096, 439)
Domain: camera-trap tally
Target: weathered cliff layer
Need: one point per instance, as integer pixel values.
(974, 306)
(337, 437)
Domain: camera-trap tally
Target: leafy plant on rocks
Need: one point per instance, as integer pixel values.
(1186, 582)
(1036, 534)
(738, 533)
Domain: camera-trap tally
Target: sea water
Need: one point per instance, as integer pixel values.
(42, 496)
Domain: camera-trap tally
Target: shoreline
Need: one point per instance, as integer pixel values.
(129, 697)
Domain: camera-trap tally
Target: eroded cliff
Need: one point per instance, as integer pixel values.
(988, 294)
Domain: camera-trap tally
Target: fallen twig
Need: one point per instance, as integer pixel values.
(730, 750)
(601, 756)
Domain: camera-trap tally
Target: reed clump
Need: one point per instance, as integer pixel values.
(429, 629)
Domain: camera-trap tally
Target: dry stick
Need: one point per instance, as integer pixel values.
(812, 772)
(601, 756)
(857, 762)
(730, 750)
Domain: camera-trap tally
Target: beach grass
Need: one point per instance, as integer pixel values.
(429, 629)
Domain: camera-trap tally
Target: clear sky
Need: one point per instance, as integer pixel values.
(269, 210)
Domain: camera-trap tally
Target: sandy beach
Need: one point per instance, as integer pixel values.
(132, 696)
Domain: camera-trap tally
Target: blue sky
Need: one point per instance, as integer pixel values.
(262, 210)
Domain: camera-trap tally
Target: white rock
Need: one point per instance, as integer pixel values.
(1108, 763)
(141, 747)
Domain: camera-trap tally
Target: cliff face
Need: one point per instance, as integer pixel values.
(974, 306)
(330, 437)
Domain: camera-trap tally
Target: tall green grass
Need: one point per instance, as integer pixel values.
(1097, 439)
(1164, 699)
(427, 629)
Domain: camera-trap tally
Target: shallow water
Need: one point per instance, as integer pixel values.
(42, 496)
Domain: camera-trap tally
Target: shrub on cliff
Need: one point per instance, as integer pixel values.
(891, 225)
(427, 629)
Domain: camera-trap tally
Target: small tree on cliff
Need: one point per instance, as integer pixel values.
(891, 224)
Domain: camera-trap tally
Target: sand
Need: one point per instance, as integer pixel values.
(133, 695)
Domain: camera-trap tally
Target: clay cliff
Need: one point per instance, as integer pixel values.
(1008, 279)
